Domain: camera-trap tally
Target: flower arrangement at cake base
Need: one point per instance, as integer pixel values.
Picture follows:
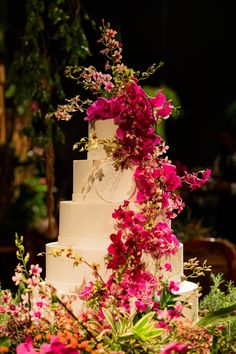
(37, 320)
(136, 299)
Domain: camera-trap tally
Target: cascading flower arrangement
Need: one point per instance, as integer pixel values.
(134, 311)
(119, 96)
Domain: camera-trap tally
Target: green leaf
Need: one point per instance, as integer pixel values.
(126, 336)
(153, 333)
(144, 321)
(217, 316)
(124, 325)
(109, 318)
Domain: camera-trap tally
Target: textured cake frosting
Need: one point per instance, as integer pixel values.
(86, 222)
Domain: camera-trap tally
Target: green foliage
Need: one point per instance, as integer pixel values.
(220, 307)
(217, 298)
(225, 313)
(125, 335)
(53, 38)
(145, 329)
(5, 342)
(167, 298)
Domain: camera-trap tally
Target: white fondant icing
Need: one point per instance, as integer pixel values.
(104, 129)
(188, 292)
(176, 261)
(99, 181)
(80, 222)
(115, 186)
(64, 276)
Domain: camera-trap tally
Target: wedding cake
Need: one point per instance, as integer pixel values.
(86, 224)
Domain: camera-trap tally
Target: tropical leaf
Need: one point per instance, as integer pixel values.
(143, 321)
(145, 328)
(109, 318)
(217, 316)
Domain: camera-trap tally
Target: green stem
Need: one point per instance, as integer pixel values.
(75, 318)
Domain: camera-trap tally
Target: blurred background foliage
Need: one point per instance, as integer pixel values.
(34, 52)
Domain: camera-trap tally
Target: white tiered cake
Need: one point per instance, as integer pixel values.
(86, 222)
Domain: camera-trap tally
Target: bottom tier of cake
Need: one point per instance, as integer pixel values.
(68, 279)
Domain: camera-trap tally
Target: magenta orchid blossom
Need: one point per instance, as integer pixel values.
(54, 347)
(174, 347)
(26, 347)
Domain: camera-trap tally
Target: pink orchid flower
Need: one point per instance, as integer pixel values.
(26, 347)
(163, 107)
(174, 347)
(159, 100)
(56, 347)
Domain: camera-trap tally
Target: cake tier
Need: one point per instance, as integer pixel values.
(98, 181)
(176, 260)
(188, 292)
(67, 279)
(81, 222)
(64, 276)
(93, 251)
(103, 129)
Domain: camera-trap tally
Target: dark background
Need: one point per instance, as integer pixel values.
(195, 40)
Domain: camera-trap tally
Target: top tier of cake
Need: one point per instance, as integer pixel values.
(96, 179)
(103, 129)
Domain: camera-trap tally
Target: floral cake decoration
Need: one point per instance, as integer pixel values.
(118, 95)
